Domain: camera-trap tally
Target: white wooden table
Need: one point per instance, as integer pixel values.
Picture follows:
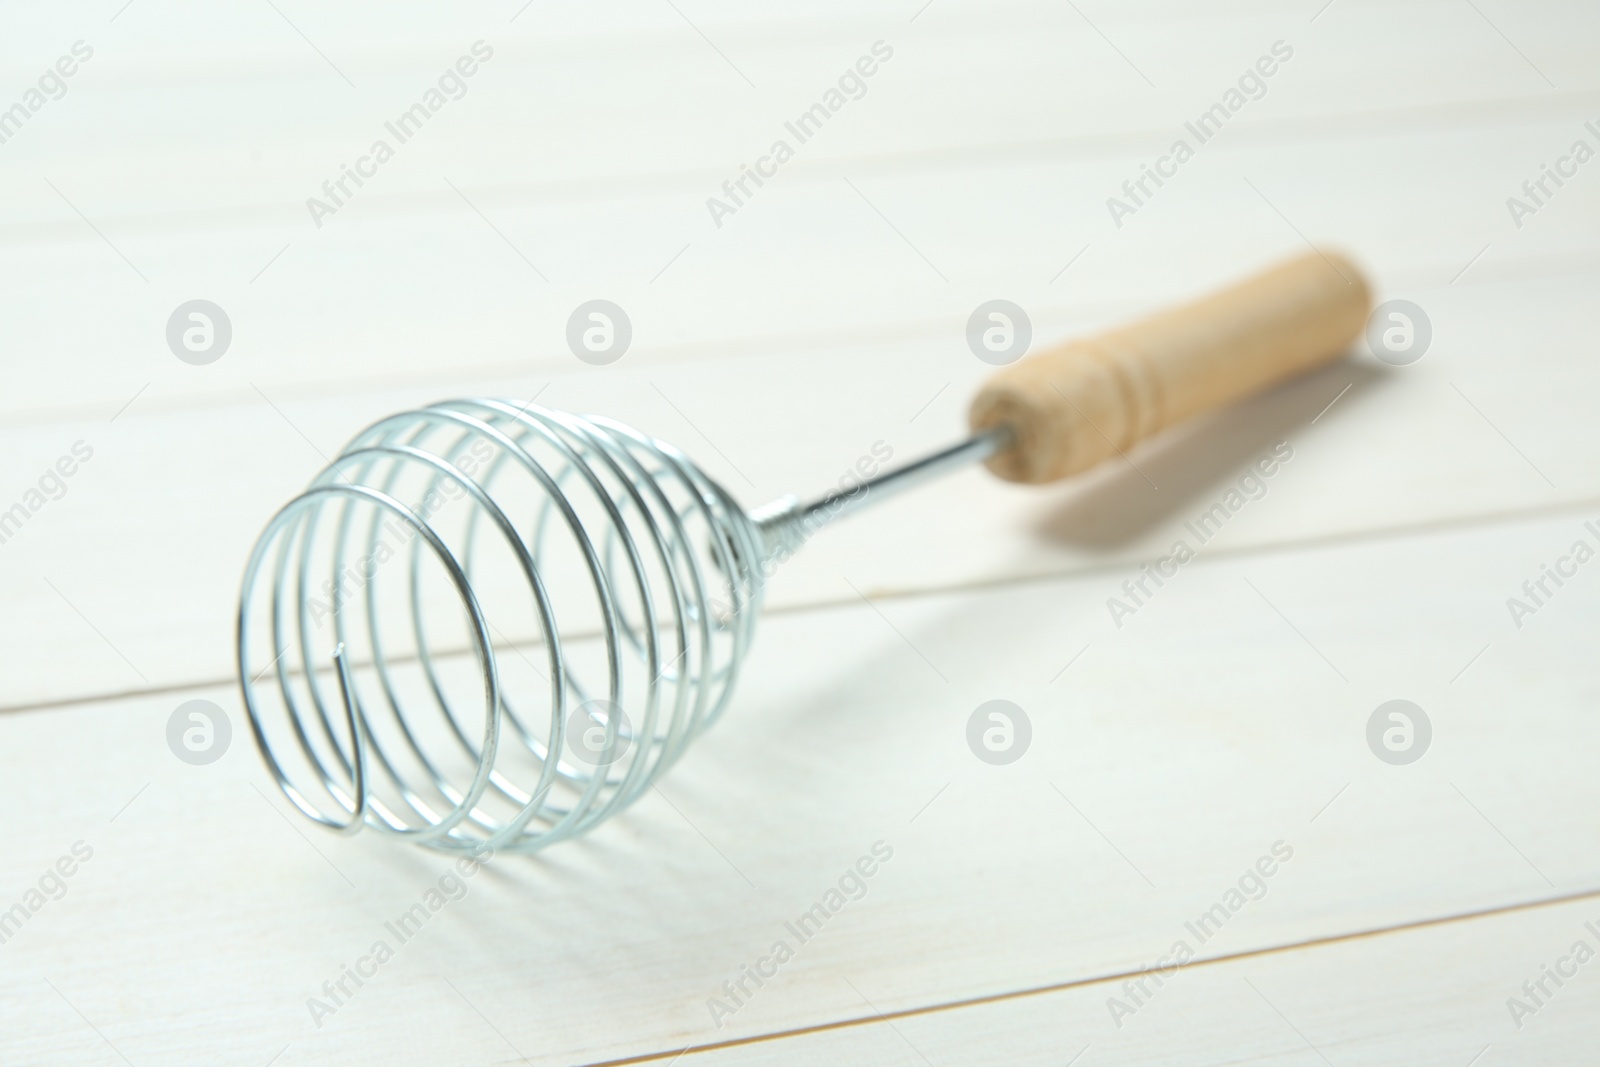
(1407, 905)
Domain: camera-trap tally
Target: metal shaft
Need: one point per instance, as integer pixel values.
(787, 523)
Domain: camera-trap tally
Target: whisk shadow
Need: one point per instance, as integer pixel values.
(1102, 512)
(1182, 469)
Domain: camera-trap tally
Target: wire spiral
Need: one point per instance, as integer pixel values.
(490, 623)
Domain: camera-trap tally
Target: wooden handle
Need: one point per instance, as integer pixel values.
(1072, 406)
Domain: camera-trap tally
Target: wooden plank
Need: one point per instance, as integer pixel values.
(278, 115)
(1465, 434)
(1446, 994)
(994, 209)
(442, 297)
(1229, 714)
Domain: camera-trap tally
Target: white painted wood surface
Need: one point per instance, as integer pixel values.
(1169, 752)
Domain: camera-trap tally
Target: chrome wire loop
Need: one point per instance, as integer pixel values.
(487, 622)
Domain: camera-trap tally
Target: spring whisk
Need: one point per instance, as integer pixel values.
(486, 622)
(593, 569)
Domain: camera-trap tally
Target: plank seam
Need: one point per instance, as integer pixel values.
(1077, 983)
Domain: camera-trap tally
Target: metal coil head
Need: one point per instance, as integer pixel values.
(487, 622)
